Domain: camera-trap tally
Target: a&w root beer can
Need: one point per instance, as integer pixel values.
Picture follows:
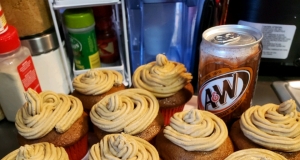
(228, 68)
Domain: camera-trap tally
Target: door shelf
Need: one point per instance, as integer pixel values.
(123, 66)
(58, 4)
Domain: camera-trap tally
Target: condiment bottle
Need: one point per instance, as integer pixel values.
(17, 73)
(106, 35)
(80, 24)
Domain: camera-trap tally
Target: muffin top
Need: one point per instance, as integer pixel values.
(45, 111)
(255, 154)
(43, 150)
(163, 78)
(130, 111)
(196, 130)
(123, 146)
(275, 127)
(95, 82)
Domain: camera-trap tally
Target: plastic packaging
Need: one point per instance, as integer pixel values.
(80, 24)
(17, 73)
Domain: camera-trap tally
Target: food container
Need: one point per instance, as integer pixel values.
(17, 73)
(48, 62)
(30, 17)
(80, 24)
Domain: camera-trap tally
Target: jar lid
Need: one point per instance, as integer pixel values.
(79, 18)
(41, 44)
(9, 40)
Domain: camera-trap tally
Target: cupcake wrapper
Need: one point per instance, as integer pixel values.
(168, 113)
(79, 149)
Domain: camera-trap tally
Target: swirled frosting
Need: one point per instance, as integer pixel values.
(45, 111)
(275, 127)
(162, 78)
(255, 154)
(123, 146)
(43, 150)
(196, 130)
(130, 111)
(95, 82)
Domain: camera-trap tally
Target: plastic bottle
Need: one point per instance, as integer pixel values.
(106, 35)
(80, 24)
(17, 73)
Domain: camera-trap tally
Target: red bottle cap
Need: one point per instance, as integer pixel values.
(9, 40)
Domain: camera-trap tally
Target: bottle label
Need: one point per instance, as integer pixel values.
(106, 48)
(85, 50)
(3, 23)
(28, 75)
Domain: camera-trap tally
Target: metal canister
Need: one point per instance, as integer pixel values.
(228, 68)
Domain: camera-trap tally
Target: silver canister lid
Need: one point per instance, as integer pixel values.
(232, 35)
(41, 44)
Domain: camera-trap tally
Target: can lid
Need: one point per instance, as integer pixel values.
(9, 40)
(78, 18)
(232, 35)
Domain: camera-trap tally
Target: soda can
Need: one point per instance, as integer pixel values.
(228, 69)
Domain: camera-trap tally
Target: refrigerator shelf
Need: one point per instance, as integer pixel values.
(57, 4)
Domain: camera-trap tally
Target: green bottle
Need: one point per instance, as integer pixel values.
(80, 24)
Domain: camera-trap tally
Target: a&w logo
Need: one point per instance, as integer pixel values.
(222, 92)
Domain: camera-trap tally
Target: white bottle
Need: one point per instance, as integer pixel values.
(17, 73)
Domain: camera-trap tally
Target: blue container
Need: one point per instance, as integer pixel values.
(163, 26)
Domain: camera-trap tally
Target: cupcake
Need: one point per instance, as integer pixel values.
(131, 111)
(91, 86)
(273, 127)
(42, 150)
(255, 153)
(168, 81)
(55, 118)
(123, 146)
(194, 134)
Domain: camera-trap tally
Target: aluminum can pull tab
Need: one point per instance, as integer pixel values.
(226, 38)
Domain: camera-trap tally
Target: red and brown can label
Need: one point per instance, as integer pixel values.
(223, 89)
(228, 68)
